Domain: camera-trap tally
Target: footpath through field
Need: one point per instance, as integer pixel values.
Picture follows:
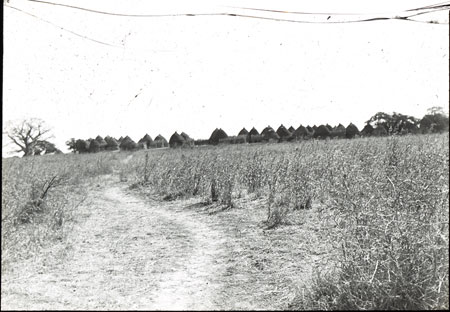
(126, 254)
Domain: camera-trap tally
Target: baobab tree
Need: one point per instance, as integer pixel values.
(28, 135)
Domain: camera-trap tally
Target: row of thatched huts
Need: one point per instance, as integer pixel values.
(219, 136)
(268, 134)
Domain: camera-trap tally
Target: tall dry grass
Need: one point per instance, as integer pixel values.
(39, 198)
(384, 205)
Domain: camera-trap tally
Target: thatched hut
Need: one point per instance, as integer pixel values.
(367, 130)
(321, 132)
(314, 127)
(146, 141)
(330, 128)
(351, 131)
(300, 133)
(128, 144)
(338, 132)
(310, 129)
(217, 135)
(160, 141)
(188, 141)
(111, 143)
(176, 140)
(101, 142)
(243, 132)
(283, 133)
(291, 129)
(269, 135)
(94, 146)
(253, 132)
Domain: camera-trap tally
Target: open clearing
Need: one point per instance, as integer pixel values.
(129, 252)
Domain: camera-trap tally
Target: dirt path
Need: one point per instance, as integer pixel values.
(126, 254)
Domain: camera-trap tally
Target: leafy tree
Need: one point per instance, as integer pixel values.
(72, 145)
(46, 147)
(81, 146)
(394, 124)
(434, 121)
(28, 134)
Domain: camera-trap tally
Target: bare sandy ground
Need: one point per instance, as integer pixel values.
(125, 254)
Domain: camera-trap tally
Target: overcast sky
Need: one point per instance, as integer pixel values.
(89, 74)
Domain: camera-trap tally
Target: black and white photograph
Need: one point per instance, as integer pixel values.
(225, 155)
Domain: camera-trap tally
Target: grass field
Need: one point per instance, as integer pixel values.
(371, 215)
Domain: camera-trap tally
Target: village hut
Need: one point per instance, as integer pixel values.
(146, 141)
(310, 129)
(217, 135)
(128, 144)
(176, 140)
(330, 128)
(351, 131)
(283, 133)
(367, 130)
(243, 132)
(101, 142)
(120, 140)
(338, 132)
(253, 132)
(291, 129)
(253, 136)
(314, 127)
(321, 132)
(188, 141)
(269, 135)
(160, 141)
(111, 143)
(300, 133)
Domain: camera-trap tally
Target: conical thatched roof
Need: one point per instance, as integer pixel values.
(186, 137)
(330, 128)
(111, 143)
(367, 130)
(291, 129)
(314, 127)
(253, 132)
(338, 132)
(243, 132)
(127, 144)
(283, 132)
(102, 143)
(176, 140)
(321, 132)
(310, 129)
(269, 134)
(351, 131)
(146, 138)
(217, 135)
(160, 138)
(300, 132)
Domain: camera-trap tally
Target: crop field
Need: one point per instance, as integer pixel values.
(376, 210)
